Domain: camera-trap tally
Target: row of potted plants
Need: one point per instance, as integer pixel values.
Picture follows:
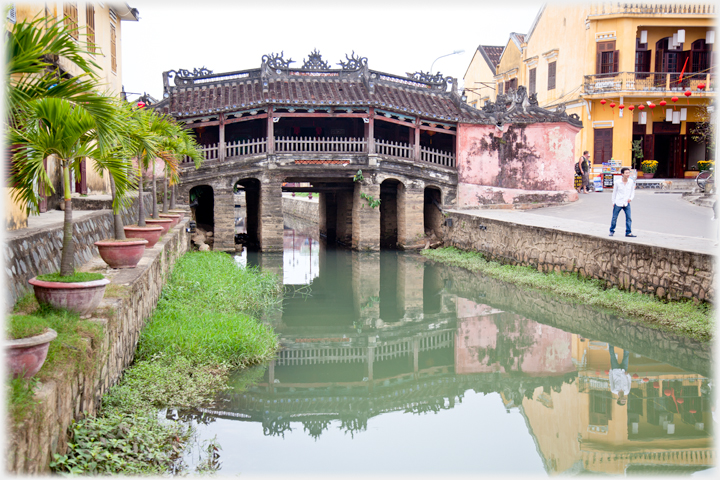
(50, 115)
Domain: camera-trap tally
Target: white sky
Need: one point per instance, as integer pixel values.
(395, 36)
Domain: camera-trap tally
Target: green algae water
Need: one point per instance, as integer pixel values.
(392, 364)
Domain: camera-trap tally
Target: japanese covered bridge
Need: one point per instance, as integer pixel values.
(419, 146)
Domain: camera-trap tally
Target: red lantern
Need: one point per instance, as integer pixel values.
(651, 106)
(656, 385)
(701, 86)
(646, 379)
(635, 375)
(603, 102)
(687, 94)
(141, 104)
(641, 107)
(612, 104)
(693, 411)
(674, 99)
(631, 107)
(680, 401)
(668, 392)
(621, 106)
(663, 103)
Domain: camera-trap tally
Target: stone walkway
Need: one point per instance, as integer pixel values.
(660, 218)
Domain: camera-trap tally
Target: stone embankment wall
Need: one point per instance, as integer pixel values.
(129, 301)
(664, 272)
(37, 251)
(302, 208)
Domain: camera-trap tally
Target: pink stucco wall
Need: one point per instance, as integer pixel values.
(518, 164)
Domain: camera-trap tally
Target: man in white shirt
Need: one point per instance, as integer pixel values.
(622, 195)
(620, 381)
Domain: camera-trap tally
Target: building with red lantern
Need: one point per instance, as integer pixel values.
(634, 74)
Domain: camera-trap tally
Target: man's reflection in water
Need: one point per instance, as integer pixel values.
(620, 381)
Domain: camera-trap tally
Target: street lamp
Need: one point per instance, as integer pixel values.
(446, 55)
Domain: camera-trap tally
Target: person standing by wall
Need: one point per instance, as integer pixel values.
(585, 171)
(622, 195)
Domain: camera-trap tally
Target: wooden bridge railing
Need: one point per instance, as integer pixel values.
(320, 145)
(346, 145)
(393, 149)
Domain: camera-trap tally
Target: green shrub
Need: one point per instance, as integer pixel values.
(77, 277)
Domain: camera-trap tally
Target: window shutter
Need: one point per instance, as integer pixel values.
(113, 49)
(551, 75)
(616, 61)
(90, 20)
(533, 81)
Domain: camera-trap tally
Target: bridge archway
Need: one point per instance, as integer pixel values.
(390, 190)
(432, 210)
(247, 230)
(202, 202)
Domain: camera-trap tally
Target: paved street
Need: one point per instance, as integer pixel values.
(661, 219)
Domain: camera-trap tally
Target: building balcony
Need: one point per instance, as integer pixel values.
(314, 146)
(653, 83)
(651, 9)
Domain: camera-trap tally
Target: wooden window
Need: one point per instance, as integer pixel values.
(700, 56)
(607, 59)
(90, 20)
(70, 18)
(642, 58)
(113, 49)
(551, 75)
(602, 147)
(511, 85)
(532, 88)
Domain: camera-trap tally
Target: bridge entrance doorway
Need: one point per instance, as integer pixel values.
(390, 190)
(202, 203)
(246, 193)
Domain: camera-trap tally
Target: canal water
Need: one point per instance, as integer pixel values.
(395, 365)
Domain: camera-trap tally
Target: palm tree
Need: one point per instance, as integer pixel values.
(56, 126)
(181, 143)
(49, 114)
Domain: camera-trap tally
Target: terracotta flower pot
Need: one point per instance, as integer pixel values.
(161, 222)
(177, 211)
(80, 297)
(648, 175)
(122, 253)
(25, 356)
(172, 216)
(149, 233)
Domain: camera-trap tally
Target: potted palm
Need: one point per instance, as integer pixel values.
(637, 153)
(49, 115)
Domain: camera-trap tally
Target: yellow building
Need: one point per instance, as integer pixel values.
(479, 78)
(100, 25)
(631, 72)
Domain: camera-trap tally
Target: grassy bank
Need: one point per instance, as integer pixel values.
(679, 317)
(204, 326)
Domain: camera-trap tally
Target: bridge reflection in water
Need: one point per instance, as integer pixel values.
(376, 333)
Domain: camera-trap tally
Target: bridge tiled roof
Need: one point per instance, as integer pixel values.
(202, 94)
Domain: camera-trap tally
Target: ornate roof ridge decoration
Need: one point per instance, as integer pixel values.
(315, 62)
(354, 62)
(509, 108)
(197, 72)
(276, 61)
(183, 76)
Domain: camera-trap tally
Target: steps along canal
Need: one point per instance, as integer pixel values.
(393, 364)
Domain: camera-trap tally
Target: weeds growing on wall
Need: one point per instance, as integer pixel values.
(204, 326)
(678, 317)
(70, 351)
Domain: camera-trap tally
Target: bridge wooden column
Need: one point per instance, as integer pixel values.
(411, 231)
(271, 215)
(410, 286)
(370, 131)
(365, 220)
(224, 219)
(221, 137)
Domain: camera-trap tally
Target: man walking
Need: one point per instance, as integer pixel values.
(622, 195)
